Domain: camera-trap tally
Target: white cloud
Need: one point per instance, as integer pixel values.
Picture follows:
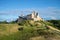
(49, 12)
(54, 18)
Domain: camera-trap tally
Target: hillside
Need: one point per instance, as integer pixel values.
(29, 30)
(56, 23)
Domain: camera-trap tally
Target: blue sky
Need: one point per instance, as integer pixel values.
(11, 9)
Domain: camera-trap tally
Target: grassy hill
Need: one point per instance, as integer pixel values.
(29, 30)
(56, 23)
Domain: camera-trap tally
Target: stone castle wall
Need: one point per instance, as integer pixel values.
(34, 16)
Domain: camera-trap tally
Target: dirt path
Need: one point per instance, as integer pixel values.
(53, 28)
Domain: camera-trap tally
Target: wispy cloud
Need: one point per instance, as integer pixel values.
(54, 18)
(46, 13)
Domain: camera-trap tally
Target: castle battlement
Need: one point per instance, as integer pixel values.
(34, 16)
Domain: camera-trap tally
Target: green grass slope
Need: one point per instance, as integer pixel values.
(29, 30)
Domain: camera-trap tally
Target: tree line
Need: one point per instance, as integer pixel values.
(56, 23)
(5, 22)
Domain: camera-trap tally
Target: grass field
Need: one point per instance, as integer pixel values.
(17, 32)
(8, 28)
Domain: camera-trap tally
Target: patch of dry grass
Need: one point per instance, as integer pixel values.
(9, 28)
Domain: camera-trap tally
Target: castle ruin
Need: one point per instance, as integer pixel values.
(34, 16)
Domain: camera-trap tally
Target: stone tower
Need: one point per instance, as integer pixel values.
(35, 16)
